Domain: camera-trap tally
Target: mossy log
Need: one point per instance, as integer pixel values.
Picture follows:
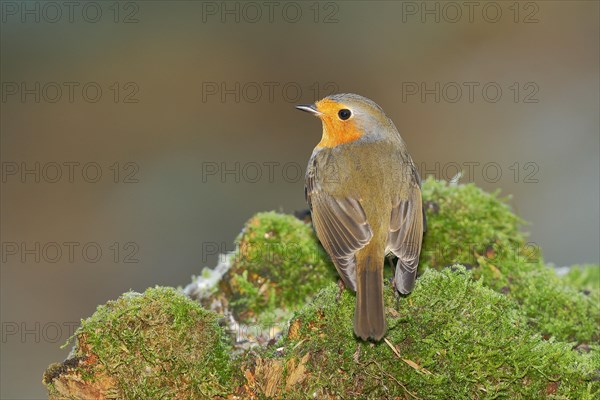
(486, 320)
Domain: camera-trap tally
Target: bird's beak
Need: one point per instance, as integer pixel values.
(310, 108)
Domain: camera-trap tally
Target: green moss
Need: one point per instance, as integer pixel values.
(278, 265)
(469, 226)
(554, 307)
(509, 327)
(464, 222)
(584, 277)
(454, 337)
(159, 344)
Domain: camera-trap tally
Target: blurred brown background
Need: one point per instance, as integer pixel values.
(161, 98)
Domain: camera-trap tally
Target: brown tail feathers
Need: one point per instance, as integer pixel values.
(369, 316)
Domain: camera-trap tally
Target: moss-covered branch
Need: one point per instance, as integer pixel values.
(500, 325)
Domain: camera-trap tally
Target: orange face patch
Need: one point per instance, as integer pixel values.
(335, 130)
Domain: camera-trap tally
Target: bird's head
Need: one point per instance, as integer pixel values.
(348, 117)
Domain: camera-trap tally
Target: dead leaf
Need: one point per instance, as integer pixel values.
(267, 376)
(416, 366)
(296, 373)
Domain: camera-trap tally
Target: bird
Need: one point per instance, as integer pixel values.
(364, 194)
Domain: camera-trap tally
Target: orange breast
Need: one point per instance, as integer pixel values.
(335, 131)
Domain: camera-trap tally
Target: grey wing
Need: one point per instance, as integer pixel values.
(341, 226)
(405, 237)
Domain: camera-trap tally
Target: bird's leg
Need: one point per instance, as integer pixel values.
(397, 296)
(341, 287)
(390, 259)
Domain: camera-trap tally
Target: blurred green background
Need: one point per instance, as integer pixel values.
(186, 110)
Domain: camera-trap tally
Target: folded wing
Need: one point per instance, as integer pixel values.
(341, 225)
(405, 237)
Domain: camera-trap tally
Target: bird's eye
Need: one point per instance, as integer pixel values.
(344, 114)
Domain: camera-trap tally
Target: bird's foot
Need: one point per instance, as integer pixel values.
(341, 287)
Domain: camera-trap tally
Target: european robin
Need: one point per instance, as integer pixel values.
(364, 194)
